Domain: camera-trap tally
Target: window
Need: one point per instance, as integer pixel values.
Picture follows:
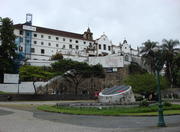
(109, 48)
(104, 47)
(77, 47)
(64, 39)
(21, 39)
(126, 58)
(20, 48)
(42, 51)
(42, 43)
(27, 34)
(90, 43)
(49, 44)
(84, 42)
(76, 41)
(35, 42)
(27, 41)
(99, 46)
(70, 40)
(42, 36)
(49, 37)
(21, 32)
(57, 38)
(64, 46)
(70, 46)
(35, 35)
(57, 45)
(32, 50)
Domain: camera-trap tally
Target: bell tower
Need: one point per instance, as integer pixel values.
(88, 35)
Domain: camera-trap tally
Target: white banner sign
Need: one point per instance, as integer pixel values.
(25, 27)
(11, 78)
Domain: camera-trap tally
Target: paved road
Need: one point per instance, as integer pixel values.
(13, 120)
(106, 121)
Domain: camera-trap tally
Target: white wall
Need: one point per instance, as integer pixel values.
(103, 40)
(48, 63)
(116, 49)
(135, 52)
(107, 61)
(77, 58)
(24, 87)
(125, 48)
(40, 62)
(52, 48)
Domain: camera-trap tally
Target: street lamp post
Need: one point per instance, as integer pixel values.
(158, 66)
(161, 122)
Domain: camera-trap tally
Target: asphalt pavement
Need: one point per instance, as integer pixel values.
(31, 120)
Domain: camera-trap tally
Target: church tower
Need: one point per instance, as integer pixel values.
(88, 35)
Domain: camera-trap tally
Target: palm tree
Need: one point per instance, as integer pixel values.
(170, 50)
(148, 55)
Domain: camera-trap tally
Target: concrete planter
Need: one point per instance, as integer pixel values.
(117, 95)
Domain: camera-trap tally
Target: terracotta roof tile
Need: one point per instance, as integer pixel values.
(55, 32)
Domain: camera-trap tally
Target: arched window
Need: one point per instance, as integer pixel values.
(126, 58)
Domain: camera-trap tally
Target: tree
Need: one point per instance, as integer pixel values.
(148, 56)
(145, 84)
(176, 70)
(97, 71)
(7, 47)
(57, 56)
(35, 73)
(76, 72)
(170, 51)
(135, 68)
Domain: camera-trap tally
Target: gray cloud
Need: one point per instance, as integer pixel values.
(135, 20)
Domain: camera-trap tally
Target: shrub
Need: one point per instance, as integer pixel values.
(166, 103)
(178, 77)
(139, 98)
(144, 103)
(135, 68)
(176, 96)
(57, 56)
(145, 84)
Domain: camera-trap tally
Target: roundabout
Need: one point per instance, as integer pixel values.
(26, 118)
(109, 110)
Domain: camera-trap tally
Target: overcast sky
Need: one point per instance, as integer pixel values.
(135, 20)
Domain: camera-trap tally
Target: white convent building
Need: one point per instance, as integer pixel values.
(38, 44)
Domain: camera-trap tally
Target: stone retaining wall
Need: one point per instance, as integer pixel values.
(88, 86)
